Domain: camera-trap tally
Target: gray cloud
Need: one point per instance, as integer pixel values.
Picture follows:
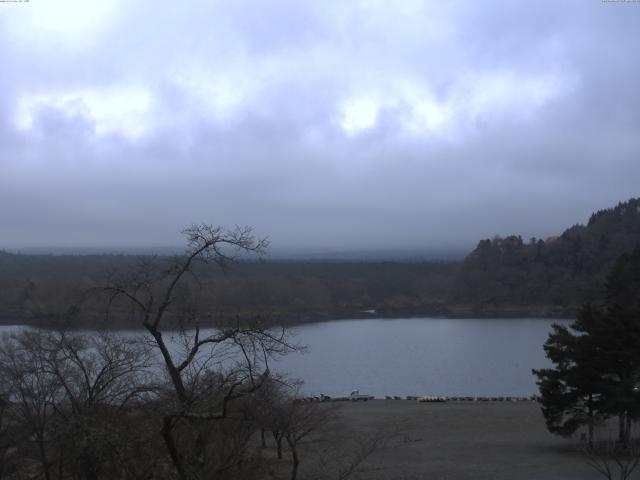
(342, 125)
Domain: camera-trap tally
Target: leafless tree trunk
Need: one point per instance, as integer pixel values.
(203, 390)
(613, 460)
(295, 461)
(277, 436)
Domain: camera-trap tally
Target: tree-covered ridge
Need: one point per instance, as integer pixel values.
(501, 276)
(580, 248)
(560, 272)
(40, 289)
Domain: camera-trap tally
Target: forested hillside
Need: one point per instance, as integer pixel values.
(558, 273)
(40, 289)
(502, 276)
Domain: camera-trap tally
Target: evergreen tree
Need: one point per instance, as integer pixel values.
(596, 360)
(620, 343)
(570, 393)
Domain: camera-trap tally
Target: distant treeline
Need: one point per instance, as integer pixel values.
(41, 289)
(502, 276)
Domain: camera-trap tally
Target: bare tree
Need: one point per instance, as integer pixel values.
(66, 397)
(101, 376)
(265, 408)
(99, 369)
(282, 412)
(33, 394)
(5, 445)
(613, 460)
(300, 421)
(207, 370)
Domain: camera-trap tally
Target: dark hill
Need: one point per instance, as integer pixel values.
(556, 274)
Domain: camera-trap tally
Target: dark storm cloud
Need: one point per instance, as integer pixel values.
(341, 125)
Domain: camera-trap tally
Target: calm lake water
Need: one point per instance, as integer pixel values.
(418, 356)
(421, 356)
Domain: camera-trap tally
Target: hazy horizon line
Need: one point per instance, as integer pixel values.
(277, 253)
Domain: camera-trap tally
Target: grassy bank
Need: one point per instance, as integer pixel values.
(487, 440)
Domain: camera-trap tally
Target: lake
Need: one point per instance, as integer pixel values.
(418, 356)
(421, 356)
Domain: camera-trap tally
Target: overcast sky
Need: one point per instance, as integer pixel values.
(326, 124)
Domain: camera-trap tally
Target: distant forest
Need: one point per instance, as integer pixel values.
(506, 276)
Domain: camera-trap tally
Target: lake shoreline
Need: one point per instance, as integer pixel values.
(459, 312)
(402, 356)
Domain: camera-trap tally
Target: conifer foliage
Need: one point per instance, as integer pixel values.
(596, 373)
